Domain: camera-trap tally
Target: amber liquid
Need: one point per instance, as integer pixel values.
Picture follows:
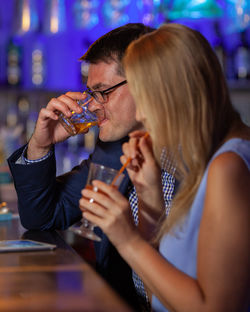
(82, 127)
(90, 187)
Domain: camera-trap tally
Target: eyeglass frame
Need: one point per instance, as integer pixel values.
(104, 93)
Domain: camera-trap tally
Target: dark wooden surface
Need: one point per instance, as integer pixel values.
(58, 280)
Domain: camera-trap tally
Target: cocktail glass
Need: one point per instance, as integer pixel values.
(107, 175)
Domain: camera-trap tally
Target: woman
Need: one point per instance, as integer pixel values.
(202, 261)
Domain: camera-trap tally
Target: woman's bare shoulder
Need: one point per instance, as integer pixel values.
(228, 183)
(228, 164)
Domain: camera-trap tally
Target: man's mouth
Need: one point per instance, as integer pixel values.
(102, 122)
(101, 117)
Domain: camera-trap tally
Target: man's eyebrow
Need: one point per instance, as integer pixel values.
(98, 86)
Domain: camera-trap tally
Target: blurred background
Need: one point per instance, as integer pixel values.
(42, 40)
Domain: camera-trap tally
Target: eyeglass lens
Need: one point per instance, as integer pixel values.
(101, 96)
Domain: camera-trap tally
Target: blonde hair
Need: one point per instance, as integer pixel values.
(176, 80)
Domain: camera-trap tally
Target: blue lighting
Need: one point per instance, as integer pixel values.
(64, 29)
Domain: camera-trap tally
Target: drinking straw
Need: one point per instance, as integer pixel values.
(125, 165)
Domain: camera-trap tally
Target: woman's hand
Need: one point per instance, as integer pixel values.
(143, 169)
(110, 210)
(145, 174)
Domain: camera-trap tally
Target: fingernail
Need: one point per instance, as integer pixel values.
(85, 192)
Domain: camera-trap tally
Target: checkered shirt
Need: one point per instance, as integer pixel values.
(168, 182)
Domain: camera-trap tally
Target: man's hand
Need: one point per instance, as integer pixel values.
(48, 130)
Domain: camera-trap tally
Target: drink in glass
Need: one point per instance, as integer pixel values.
(107, 175)
(80, 122)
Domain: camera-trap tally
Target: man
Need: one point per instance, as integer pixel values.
(46, 202)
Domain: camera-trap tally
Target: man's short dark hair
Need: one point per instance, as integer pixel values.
(112, 46)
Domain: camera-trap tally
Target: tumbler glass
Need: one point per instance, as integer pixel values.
(79, 123)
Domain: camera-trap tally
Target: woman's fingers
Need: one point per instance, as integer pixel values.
(130, 149)
(138, 150)
(107, 195)
(104, 207)
(145, 145)
(109, 190)
(90, 197)
(137, 133)
(92, 207)
(132, 152)
(92, 218)
(129, 155)
(109, 210)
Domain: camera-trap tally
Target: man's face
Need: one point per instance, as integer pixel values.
(119, 110)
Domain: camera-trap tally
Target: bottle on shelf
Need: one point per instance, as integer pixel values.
(242, 59)
(230, 42)
(14, 62)
(218, 45)
(38, 65)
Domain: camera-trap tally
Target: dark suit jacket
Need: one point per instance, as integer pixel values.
(47, 202)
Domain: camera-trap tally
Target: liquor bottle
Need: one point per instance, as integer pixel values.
(14, 62)
(242, 59)
(231, 41)
(218, 46)
(114, 13)
(38, 65)
(85, 13)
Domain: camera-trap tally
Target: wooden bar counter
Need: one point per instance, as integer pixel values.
(58, 280)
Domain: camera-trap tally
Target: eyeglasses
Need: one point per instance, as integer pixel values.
(102, 96)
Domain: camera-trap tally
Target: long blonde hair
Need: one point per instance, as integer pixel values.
(177, 81)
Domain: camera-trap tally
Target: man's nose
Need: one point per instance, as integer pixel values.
(94, 106)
